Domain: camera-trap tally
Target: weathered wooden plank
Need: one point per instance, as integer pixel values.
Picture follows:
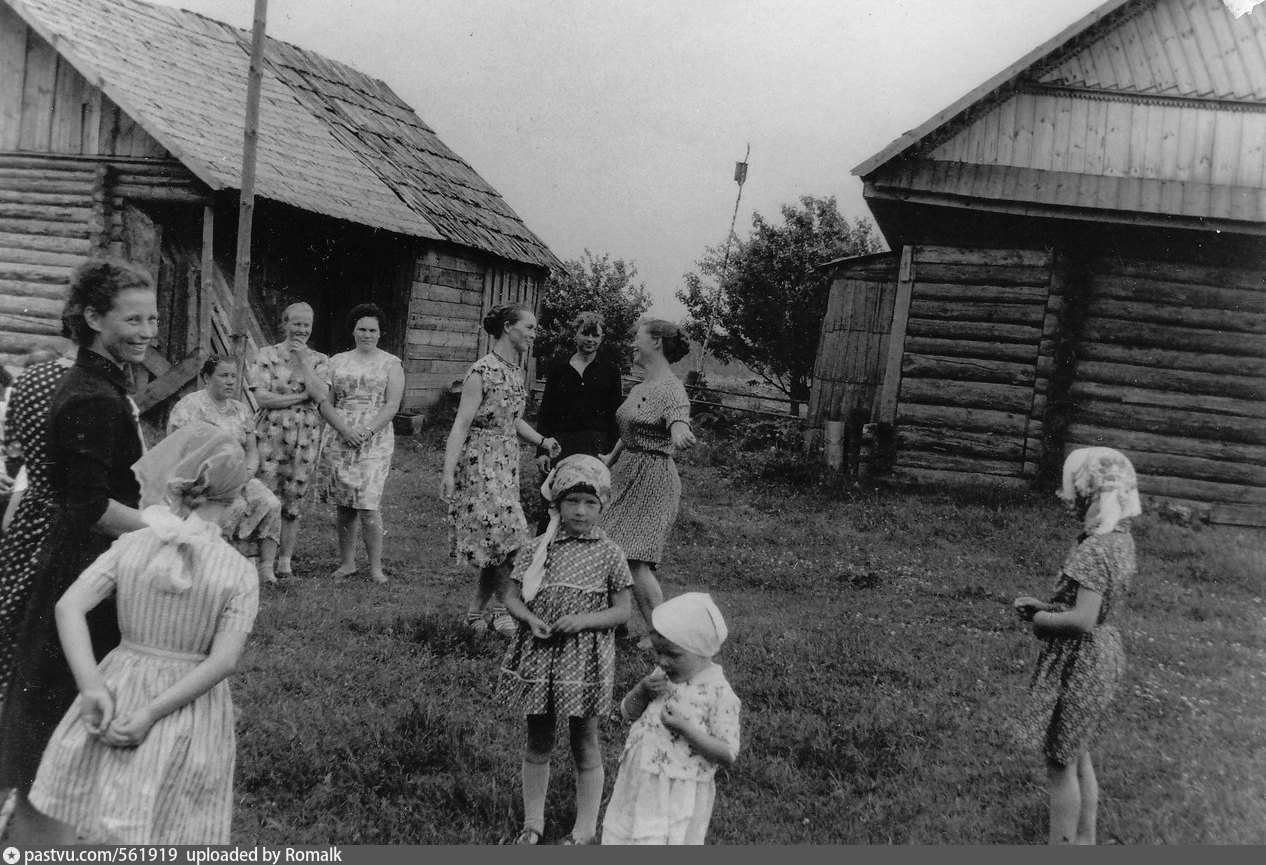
(953, 462)
(33, 273)
(171, 194)
(1129, 441)
(1022, 353)
(455, 367)
(37, 94)
(1222, 514)
(16, 256)
(21, 180)
(1000, 257)
(983, 275)
(1179, 316)
(29, 305)
(1170, 421)
(68, 114)
(448, 294)
(45, 290)
(436, 338)
(999, 397)
(1178, 381)
(1131, 396)
(973, 330)
(79, 198)
(965, 310)
(1179, 272)
(1171, 360)
(13, 38)
(76, 246)
(960, 418)
(1201, 491)
(1020, 294)
(916, 365)
(1121, 332)
(36, 324)
(886, 404)
(990, 445)
(44, 213)
(1141, 291)
(452, 262)
(443, 310)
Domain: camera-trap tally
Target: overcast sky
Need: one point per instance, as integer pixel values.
(614, 125)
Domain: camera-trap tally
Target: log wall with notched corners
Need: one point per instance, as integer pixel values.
(970, 373)
(1173, 373)
(449, 297)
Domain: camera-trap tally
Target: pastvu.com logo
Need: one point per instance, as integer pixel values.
(11, 855)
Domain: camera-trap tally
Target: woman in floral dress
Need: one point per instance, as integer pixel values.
(366, 385)
(290, 381)
(480, 481)
(654, 422)
(1082, 659)
(253, 524)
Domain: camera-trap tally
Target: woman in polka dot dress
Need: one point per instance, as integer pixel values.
(25, 535)
(570, 590)
(654, 423)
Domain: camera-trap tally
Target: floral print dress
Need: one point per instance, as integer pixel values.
(486, 522)
(1076, 677)
(290, 437)
(665, 791)
(353, 477)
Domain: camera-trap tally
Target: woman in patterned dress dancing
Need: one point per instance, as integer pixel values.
(1082, 659)
(480, 481)
(654, 422)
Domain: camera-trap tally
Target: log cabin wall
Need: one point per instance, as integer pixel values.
(1171, 369)
(968, 397)
(853, 341)
(449, 296)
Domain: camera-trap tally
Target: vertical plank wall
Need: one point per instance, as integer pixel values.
(449, 297)
(1172, 370)
(853, 341)
(975, 326)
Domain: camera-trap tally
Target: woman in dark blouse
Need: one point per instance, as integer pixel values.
(93, 440)
(581, 395)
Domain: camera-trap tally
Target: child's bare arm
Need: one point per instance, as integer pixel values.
(97, 706)
(131, 729)
(612, 617)
(641, 694)
(517, 608)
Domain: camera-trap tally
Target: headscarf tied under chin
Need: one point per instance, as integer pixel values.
(693, 622)
(1106, 479)
(196, 464)
(576, 472)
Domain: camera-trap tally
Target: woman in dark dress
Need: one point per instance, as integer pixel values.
(93, 440)
(582, 392)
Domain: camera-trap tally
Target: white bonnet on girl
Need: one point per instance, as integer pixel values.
(693, 622)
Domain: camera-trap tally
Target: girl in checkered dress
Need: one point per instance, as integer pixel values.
(569, 591)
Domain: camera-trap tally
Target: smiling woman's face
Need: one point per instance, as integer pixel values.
(125, 332)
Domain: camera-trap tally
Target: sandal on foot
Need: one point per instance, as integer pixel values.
(477, 623)
(528, 835)
(503, 623)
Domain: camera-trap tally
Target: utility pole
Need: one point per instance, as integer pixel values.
(246, 209)
(740, 177)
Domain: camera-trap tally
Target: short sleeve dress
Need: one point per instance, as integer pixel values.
(176, 787)
(665, 791)
(1077, 677)
(354, 477)
(645, 484)
(25, 428)
(256, 515)
(573, 674)
(486, 522)
(290, 437)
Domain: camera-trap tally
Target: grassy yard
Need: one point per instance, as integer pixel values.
(871, 641)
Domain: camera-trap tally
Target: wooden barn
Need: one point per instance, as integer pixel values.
(121, 131)
(1079, 258)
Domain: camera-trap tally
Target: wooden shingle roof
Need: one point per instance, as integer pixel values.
(332, 140)
(1155, 109)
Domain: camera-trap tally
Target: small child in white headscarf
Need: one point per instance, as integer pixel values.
(570, 589)
(685, 723)
(145, 754)
(1082, 658)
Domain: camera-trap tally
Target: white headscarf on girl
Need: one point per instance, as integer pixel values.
(195, 464)
(1105, 477)
(576, 471)
(693, 622)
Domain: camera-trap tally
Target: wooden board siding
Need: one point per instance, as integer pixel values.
(968, 391)
(1172, 359)
(853, 341)
(46, 106)
(449, 296)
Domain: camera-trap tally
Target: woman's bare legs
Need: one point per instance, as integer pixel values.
(348, 522)
(371, 529)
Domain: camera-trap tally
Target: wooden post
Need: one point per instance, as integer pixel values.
(246, 211)
(886, 410)
(206, 293)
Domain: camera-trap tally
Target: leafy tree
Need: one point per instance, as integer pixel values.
(768, 313)
(591, 283)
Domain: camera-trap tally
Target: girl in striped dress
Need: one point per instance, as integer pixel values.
(145, 754)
